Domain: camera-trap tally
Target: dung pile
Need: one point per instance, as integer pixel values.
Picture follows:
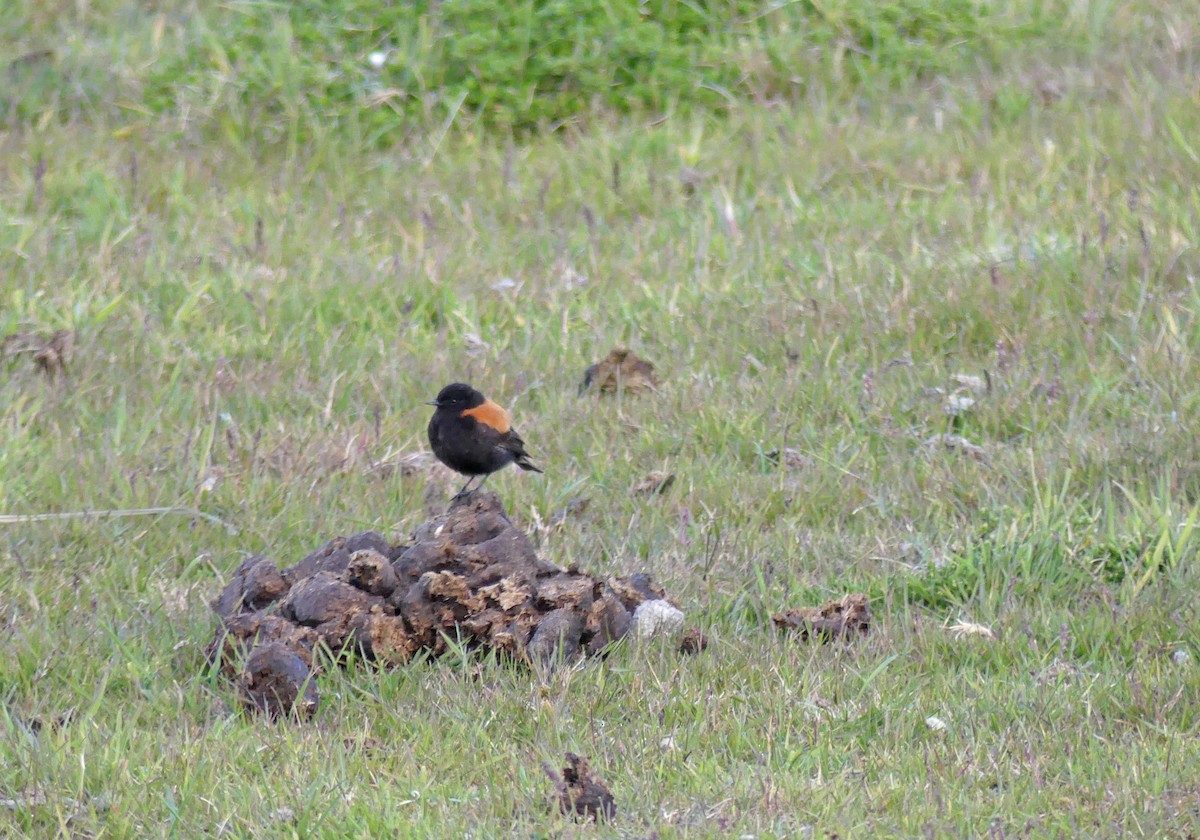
(468, 575)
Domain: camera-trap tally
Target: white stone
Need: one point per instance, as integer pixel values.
(653, 618)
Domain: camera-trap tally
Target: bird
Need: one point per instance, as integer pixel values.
(472, 435)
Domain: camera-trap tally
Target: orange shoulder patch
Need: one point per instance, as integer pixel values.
(490, 414)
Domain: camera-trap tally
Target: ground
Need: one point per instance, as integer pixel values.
(932, 340)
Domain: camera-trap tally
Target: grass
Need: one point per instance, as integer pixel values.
(270, 70)
(258, 316)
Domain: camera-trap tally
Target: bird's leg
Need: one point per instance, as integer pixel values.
(462, 494)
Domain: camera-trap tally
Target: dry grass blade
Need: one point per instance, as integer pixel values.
(22, 518)
(961, 629)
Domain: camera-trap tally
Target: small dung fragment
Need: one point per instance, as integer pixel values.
(278, 683)
(382, 638)
(621, 369)
(788, 458)
(247, 589)
(581, 792)
(847, 618)
(654, 482)
(970, 382)
(935, 723)
(693, 642)
(690, 178)
(608, 621)
(574, 507)
(50, 352)
(956, 443)
(957, 404)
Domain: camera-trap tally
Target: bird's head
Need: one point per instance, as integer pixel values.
(457, 397)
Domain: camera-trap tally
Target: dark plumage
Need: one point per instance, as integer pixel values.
(472, 435)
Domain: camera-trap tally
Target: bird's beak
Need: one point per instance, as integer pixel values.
(433, 403)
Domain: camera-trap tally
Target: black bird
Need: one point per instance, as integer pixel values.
(472, 435)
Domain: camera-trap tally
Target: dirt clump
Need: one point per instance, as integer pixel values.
(580, 791)
(620, 370)
(846, 618)
(468, 576)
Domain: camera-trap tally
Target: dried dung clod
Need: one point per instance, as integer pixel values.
(278, 682)
(372, 572)
(693, 642)
(576, 506)
(847, 618)
(654, 482)
(622, 370)
(581, 791)
(50, 352)
(789, 458)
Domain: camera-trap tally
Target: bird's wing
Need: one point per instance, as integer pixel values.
(511, 441)
(491, 415)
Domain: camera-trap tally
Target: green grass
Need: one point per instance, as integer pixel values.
(294, 70)
(260, 310)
